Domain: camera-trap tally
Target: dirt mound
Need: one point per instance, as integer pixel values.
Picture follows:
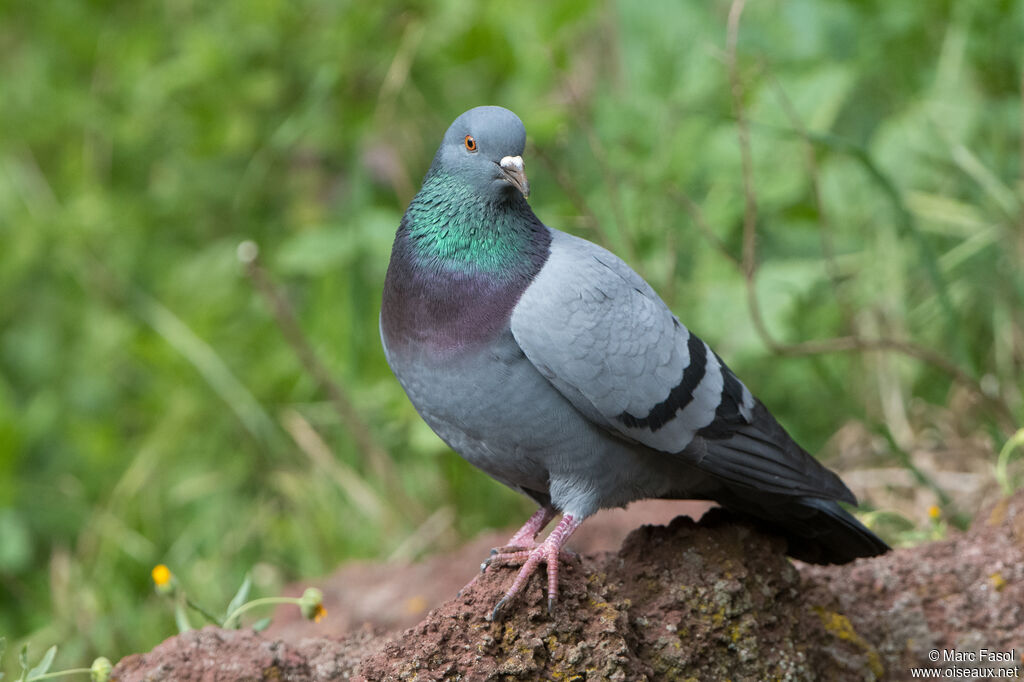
(709, 600)
(965, 594)
(398, 595)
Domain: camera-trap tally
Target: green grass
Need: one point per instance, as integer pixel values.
(151, 407)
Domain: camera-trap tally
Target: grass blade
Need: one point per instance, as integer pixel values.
(209, 365)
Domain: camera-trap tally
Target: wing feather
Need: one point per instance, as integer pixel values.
(599, 333)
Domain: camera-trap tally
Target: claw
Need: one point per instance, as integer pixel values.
(499, 557)
(495, 553)
(497, 608)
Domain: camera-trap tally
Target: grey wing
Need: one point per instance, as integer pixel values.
(598, 332)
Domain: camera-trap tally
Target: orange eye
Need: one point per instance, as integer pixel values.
(470, 143)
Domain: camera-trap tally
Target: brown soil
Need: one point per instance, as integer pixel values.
(713, 600)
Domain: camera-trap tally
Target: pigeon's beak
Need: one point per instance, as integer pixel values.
(513, 170)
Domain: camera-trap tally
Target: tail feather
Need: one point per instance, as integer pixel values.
(817, 530)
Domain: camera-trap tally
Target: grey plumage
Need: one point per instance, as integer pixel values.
(547, 362)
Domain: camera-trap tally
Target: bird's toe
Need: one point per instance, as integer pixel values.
(499, 556)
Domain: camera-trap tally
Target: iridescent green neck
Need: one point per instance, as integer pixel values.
(450, 226)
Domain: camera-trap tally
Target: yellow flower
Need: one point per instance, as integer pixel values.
(934, 512)
(163, 579)
(311, 603)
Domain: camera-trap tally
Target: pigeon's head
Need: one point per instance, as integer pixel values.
(483, 148)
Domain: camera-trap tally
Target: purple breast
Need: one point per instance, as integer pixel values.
(445, 313)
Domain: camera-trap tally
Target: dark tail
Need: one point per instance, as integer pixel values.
(817, 530)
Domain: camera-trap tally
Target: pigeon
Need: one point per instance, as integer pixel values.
(544, 360)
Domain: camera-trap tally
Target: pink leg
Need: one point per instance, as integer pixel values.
(524, 538)
(547, 552)
(526, 535)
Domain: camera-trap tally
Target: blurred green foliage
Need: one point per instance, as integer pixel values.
(145, 387)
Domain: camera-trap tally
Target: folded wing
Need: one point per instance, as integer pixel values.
(599, 333)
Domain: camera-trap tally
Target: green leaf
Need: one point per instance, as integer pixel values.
(240, 597)
(262, 624)
(44, 665)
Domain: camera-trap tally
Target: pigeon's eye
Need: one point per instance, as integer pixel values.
(470, 143)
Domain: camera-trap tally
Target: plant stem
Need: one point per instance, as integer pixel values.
(60, 673)
(1002, 475)
(206, 614)
(234, 615)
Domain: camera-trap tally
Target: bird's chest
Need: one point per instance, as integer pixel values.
(443, 313)
(487, 405)
(447, 339)
(464, 389)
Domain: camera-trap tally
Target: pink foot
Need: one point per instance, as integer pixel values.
(520, 543)
(547, 552)
(523, 540)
